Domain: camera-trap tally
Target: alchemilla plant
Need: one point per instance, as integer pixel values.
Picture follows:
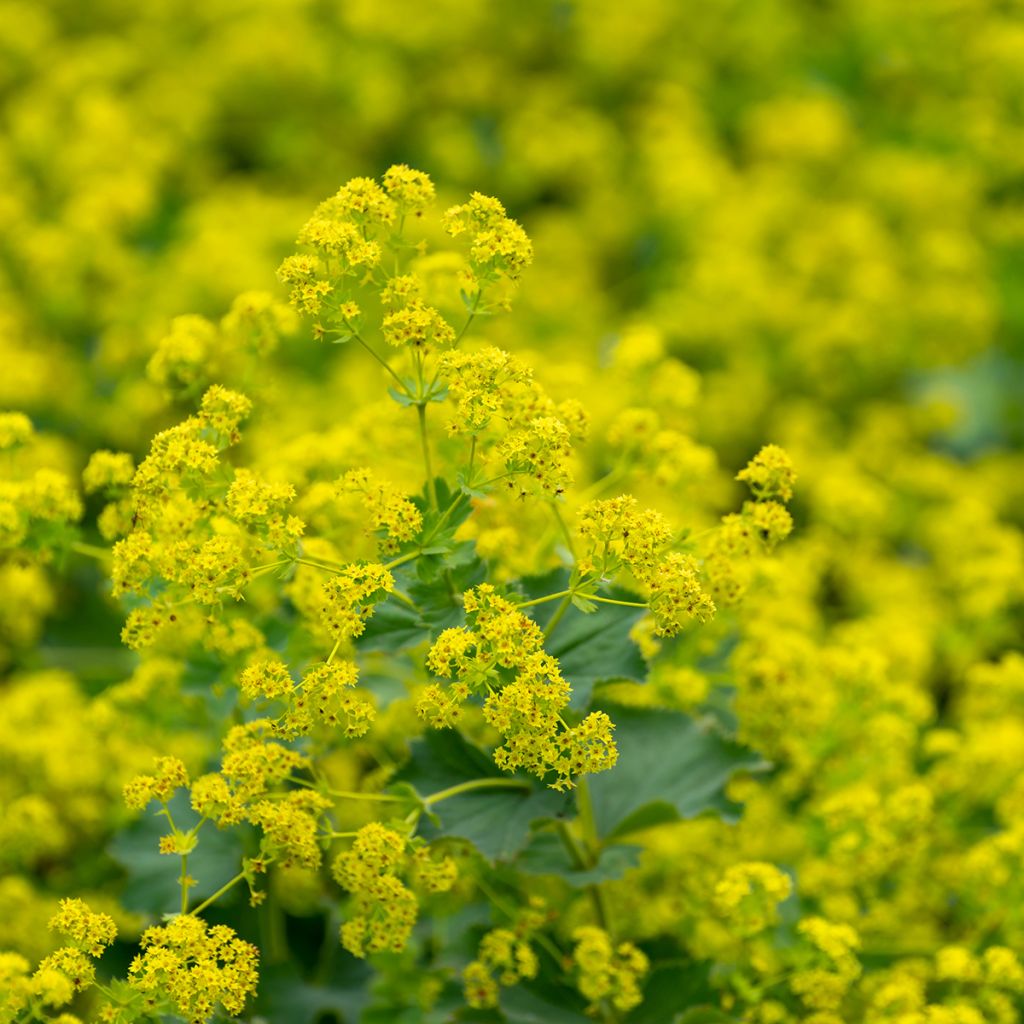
(450, 707)
(349, 612)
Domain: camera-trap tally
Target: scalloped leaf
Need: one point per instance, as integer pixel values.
(670, 766)
(497, 821)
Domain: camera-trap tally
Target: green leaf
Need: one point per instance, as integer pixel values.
(152, 877)
(284, 995)
(393, 627)
(496, 821)
(670, 766)
(705, 1015)
(545, 855)
(401, 397)
(674, 988)
(543, 1003)
(592, 647)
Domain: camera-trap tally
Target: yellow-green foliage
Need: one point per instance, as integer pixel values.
(512, 512)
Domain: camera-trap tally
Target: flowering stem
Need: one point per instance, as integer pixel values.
(184, 883)
(624, 604)
(564, 529)
(466, 787)
(91, 550)
(344, 794)
(544, 600)
(220, 892)
(471, 318)
(398, 380)
(395, 563)
(557, 617)
(421, 413)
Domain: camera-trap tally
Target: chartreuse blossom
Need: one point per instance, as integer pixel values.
(747, 896)
(499, 656)
(194, 970)
(376, 871)
(61, 975)
(505, 957)
(607, 973)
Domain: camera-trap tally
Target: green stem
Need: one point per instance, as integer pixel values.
(421, 414)
(395, 563)
(624, 604)
(398, 380)
(592, 845)
(91, 550)
(544, 600)
(217, 895)
(259, 569)
(565, 530)
(471, 318)
(345, 794)
(184, 883)
(557, 617)
(466, 787)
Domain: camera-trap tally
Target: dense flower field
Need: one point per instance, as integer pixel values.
(512, 512)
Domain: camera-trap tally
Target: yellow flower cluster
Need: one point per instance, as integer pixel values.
(326, 695)
(62, 974)
(189, 968)
(349, 598)
(171, 775)
(503, 954)
(35, 511)
(733, 548)
(621, 536)
(196, 352)
(498, 246)
(532, 435)
(392, 514)
(418, 325)
(500, 655)
(608, 974)
(834, 964)
(748, 895)
(504, 957)
(385, 907)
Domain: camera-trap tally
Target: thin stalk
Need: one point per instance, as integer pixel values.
(557, 617)
(184, 883)
(466, 787)
(611, 600)
(421, 414)
(396, 562)
(565, 530)
(217, 895)
(592, 845)
(398, 380)
(90, 550)
(544, 600)
(345, 794)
